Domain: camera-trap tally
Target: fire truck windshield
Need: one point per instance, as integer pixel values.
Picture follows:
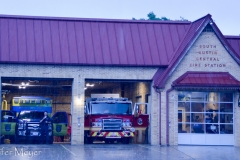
(111, 108)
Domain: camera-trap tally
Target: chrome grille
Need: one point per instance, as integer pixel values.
(33, 126)
(112, 124)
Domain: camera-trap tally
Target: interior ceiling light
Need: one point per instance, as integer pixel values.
(89, 85)
(34, 81)
(22, 87)
(25, 84)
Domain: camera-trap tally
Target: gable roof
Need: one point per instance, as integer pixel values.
(192, 34)
(206, 80)
(75, 41)
(234, 42)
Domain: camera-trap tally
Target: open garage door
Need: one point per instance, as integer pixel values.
(24, 101)
(107, 116)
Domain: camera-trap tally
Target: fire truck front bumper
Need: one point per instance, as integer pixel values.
(120, 134)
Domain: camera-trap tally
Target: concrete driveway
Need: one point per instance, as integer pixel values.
(117, 152)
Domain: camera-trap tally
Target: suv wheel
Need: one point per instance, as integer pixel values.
(50, 140)
(16, 139)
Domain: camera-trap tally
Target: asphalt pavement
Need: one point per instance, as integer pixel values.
(116, 152)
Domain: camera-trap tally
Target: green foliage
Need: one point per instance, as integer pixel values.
(152, 16)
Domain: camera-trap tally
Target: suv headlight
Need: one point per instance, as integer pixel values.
(49, 126)
(20, 125)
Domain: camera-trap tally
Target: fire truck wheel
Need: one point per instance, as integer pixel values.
(109, 141)
(12, 139)
(85, 140)
(125, 141)
(88, 140)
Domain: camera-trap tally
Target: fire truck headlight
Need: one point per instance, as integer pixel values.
(97, 124)
(132, 129)
(128, 124)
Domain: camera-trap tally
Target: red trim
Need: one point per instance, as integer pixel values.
(206, 79)
(121, 134)
(105, 134)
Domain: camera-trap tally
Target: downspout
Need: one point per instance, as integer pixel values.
(159, 121)
(0, 110)
(167, 114)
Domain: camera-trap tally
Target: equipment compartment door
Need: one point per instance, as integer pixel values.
(60, 124)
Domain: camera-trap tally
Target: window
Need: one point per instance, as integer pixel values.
(205, 112)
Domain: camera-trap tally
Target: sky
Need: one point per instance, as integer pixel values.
(225, 13)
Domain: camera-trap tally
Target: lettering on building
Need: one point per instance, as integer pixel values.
(207, 57)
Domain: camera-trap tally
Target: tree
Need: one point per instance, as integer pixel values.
(152, 16)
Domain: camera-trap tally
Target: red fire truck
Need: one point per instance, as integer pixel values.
(113, 119)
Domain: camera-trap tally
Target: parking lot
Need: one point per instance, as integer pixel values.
(117, 152)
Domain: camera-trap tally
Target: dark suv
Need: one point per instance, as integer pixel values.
(29, 126)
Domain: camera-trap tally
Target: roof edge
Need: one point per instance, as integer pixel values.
(231, 37)
(91, 19)
(176, 83)
(204, 17)
(225, 43)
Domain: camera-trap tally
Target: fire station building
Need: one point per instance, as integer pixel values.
(187, 71)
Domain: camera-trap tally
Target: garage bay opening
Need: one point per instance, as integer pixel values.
(36, 110)
(116, 111)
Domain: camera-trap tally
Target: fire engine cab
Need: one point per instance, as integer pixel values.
(113, 119)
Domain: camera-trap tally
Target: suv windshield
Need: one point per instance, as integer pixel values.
(111, 108)
(31, 115)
